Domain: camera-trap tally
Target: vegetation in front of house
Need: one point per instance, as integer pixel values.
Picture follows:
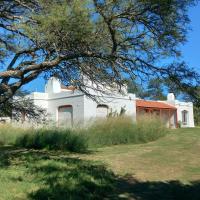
(197, 115)
(111, 131)
(9, 134)
(166, 169)
(173, 157)
(122, 130)
(66, 140)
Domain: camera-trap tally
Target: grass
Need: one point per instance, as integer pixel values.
(168, 169)
(107, 132)
(174, 157)
(123, 130)
(9, 134)
(29, 174)
(66, 140)
(51, 139)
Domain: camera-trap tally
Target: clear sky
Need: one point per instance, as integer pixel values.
(190, 50)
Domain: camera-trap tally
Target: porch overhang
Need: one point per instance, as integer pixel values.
(151, 107)
(154, 105)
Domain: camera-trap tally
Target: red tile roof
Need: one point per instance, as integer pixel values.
(68, 87)
(153, 104)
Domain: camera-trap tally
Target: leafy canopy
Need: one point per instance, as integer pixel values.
(104, 41)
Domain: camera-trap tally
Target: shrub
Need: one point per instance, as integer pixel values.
(8, 134)
(104, 132)
(122, 130)
(53, 140)
(150, 128)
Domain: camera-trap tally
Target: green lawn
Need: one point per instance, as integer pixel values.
(174, 157)
(168, 169)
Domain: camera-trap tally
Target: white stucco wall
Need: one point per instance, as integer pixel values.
(61, 99)
(52, 101)
(84, 108)
(181, 106)
(40, 99)
(188, 106)
(114, 104)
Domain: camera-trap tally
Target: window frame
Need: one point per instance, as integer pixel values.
(185, 117)
(65, 106)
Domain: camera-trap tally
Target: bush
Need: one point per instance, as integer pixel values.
(122, 130)
(53, 140)
(105, 132)
(8, 134)
(150, 128)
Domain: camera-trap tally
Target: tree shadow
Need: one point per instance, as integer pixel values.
(131, 188)
(5, 159)
(61, 176)
(78, 180)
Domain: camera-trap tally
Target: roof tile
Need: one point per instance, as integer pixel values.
(154, 104)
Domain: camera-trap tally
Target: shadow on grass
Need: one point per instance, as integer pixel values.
(5, 156)
(130, 188)
(62, 176)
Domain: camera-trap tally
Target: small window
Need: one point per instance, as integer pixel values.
(102, 110)
(185, 117)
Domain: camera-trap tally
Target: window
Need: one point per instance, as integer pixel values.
(184, 117)
(102, 110)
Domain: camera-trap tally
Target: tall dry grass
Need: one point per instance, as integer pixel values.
(123, 130)
(53, 139)
(104, 132)
(9, 134)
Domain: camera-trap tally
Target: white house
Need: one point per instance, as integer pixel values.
(171, 111)
(67, 106)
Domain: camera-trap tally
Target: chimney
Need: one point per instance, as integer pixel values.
(53, 86)
(170, 97)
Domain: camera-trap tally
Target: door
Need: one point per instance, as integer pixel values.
(65, 116)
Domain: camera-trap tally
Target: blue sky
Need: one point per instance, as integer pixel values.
(190, 50)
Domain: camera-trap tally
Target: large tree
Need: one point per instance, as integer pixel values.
(103, 40)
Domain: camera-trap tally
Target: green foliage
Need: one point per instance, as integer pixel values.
(111, 131)
(52, 140)
(155, 89)
(122, 130)
(197, 115)
(44, 175)
(104, 41)
(9, 134)
(22, 106)
(134, 87)
(61, 25)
